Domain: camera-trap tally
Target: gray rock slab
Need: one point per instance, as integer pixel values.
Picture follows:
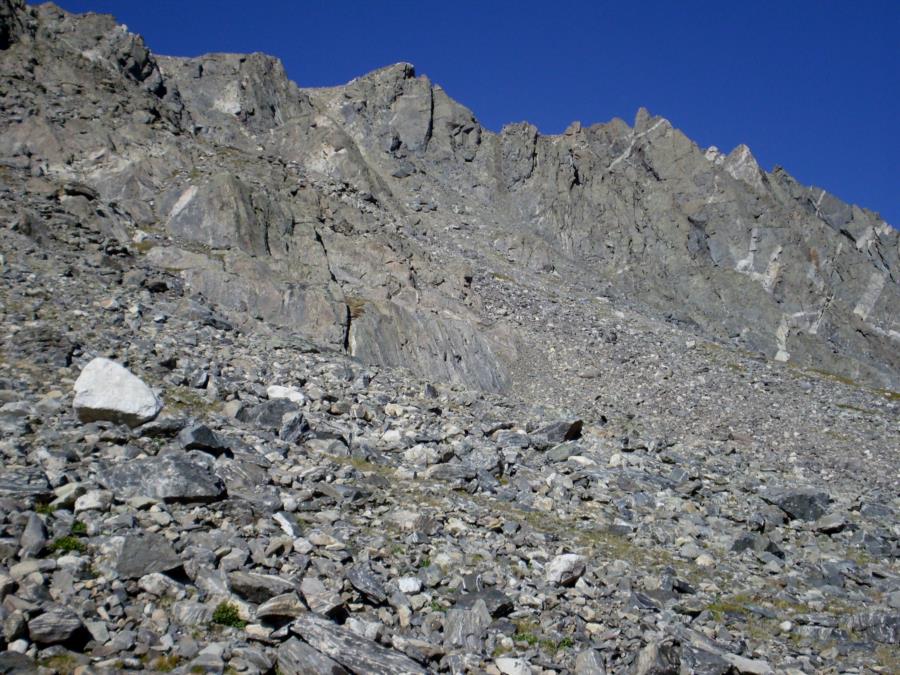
(144, 554)
(171, 478)
(355, 653)
(295, 657)
(55, 625)
(258, 587)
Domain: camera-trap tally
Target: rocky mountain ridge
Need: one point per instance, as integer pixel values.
(360, 214)
(590, 461)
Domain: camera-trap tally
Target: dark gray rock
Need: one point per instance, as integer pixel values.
(498, 603)
(201, 437)
(24, 482)
(13, 663)
(56, 625)
(556, 433)
(881, 627)
(34, 536)
(171, 478)
(366, 582)
(145, 553)
(703, 662)
(258, 587)
(799, 504)
(268, 414)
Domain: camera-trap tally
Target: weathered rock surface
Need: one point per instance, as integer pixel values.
(171, 478)
(357, 654)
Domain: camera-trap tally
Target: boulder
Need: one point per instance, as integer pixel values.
(171, 478)
(106, 390)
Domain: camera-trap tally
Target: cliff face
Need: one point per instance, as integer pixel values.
(361, 215)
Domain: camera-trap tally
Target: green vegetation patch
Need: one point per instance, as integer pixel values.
(228, 614)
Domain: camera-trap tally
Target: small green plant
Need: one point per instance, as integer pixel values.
(426, 562)
(44, 509)
(67, 544)
(437, 606)
(79, 528)
(227, 614)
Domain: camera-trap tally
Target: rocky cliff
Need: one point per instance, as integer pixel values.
(337, 381)
(359, 215)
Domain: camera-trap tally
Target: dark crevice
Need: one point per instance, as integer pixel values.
(348, 314)
(348, 320)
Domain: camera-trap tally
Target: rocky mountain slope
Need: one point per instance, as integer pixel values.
(644, 420)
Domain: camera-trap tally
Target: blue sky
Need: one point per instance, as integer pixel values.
(812, 85)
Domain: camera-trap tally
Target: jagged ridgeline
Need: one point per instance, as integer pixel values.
(369, 217)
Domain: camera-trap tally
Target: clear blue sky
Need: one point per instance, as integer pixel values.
(813, 85)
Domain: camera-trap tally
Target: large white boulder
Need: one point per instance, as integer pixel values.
(106, 390)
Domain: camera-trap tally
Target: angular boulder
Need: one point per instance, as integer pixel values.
(106, 390)
(171, 478)
(565, 569)
(144, 554)
(56, 625)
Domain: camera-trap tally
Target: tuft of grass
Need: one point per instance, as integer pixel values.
(44, 509)
(166, 664)
(227, 614)
(63, 664)
(355, 305)
(188, 400)
(79, 528)
(67, 544)
(734, 604)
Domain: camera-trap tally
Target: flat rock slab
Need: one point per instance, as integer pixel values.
(497, 602)
(364, 580)
(171, 478)
(144, 554)
(295, 657)
(55, 625)
(804, 504)
(201, 437)
(106, 390)
(555, 433)
(352, 651)
(24, 482)
(286, 605)
(258, 588)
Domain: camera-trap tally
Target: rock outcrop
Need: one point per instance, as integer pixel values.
(302, 206)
